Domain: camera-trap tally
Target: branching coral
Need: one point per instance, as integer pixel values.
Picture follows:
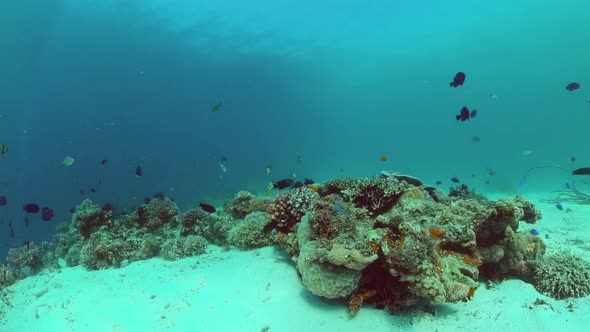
(562, 276)
(288, 208)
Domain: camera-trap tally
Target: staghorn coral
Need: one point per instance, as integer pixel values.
(562, 275)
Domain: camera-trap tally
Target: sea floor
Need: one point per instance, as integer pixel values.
(259, 290)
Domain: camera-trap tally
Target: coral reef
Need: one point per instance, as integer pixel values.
(562, 275)
(87, 217)
(248, 233)
(191, 245)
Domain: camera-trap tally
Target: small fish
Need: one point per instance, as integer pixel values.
(223, 159)
(3, 149)
(68, 161)
(559, 206)
(223, 168)
(207, 208)
(534, 232)
(341, 170)
(572, 86)
(92, 190)
(491, 172)
(268, 170)
(383, 158)
(104, 162)
(473, 114)
(282, 184)
(581, 171)
(46, 214)
(216, 107)
(567, 185)
(463, 114)
(10, 230)
(138, 171)
(459, 79)
(521, 183)
(571, 159)
(308, 181)
(294, 175)
(547, 236)
(31, 208)
(455, 179)
(475, 139)
(493, 96)
(438, 183)
(3, 201)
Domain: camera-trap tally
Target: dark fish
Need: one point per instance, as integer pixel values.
(3, 148)
(26, 221)
(92, 190)
(438, 183)
(307, 181)
(572, 86)
(46, 214)
(216, 107)
(463, 114)
(547, 236)
(138, 171)
(27, 244)
(473, 114)
(283, 184)
(534, 232)
(571, 159)
(458, 79)
(72, 210)
(455, 179)
(104, 162)
(567, 185)
(207, 208)
(475, 139)
(491, 172)
(3, 200)
(298, 184)
(10, 230)
(223, 159)
(581, 171)
(31, 208)
(559, 206)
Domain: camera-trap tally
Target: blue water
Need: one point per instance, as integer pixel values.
(338, 84)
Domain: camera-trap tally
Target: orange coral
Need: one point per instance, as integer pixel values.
(436, 233)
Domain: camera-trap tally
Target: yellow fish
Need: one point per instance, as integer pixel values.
(216, 107)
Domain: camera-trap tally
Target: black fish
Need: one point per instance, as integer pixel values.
(455, 179)
(283, 184)
(104, 162)
(439, 182)
(472, 114)
(581, 171)
(307, 181)
(458, 80)
(3, 148)
(26, 221)
(72, 210)
(475, 139)
(92, 190)
(10, 230)
(46, 214)
(298, 184)
(31, 208)
(138, 171)
(463, 115)
(3, 200)
(207, 208)
(82, 192)
(572, 86)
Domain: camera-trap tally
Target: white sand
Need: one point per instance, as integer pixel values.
(247, 291)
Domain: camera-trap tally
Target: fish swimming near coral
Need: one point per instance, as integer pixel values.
(46, 214)
(207, 208)
(559, 206)
(458, 80)
(581, 171)
(138, 171)
(282, 184)
(572, 86)
(308, 181)
(455, 179)
(31, 208)
(3, 149)
(534, 232)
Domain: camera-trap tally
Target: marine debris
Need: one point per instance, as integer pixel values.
(388, 241)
